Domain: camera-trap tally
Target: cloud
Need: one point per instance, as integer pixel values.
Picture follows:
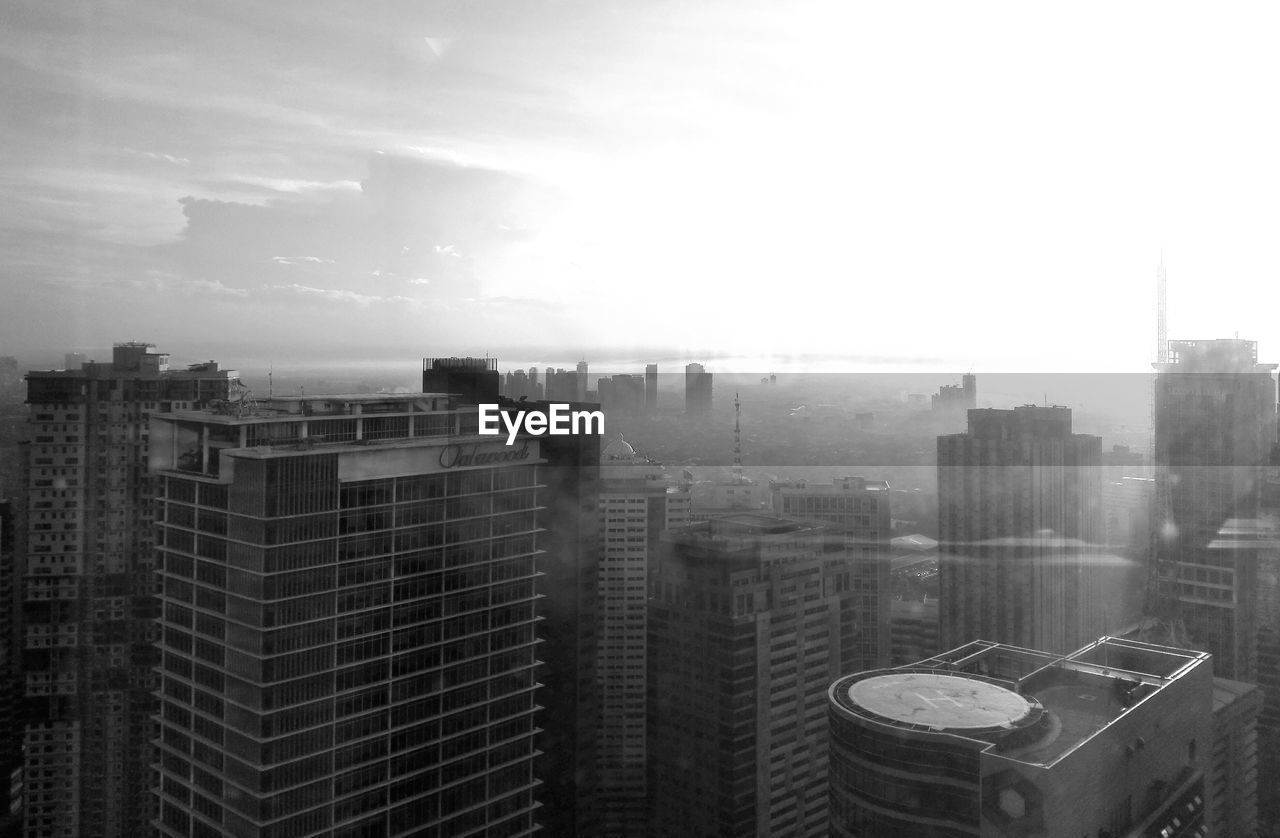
(339, 295)
(299, 260)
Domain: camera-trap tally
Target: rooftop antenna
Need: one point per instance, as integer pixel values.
(270, 386)
(1162, 329)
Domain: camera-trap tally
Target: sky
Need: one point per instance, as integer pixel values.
(929, 186)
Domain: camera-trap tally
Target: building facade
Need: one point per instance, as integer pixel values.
(1020, 526)
(857, 513)
(745, 633)
(990, 740)
(636, 507)
(349, 630)
(697, 390)
(88, 584)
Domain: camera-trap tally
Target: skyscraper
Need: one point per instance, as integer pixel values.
(697, 390)
(651, 388)
(636, 506)
(88, 585)
(1215, 425)
(1019, 522)
(857, 512)
(349, 630)
(988, 740)
(745, 635)
(580, 394)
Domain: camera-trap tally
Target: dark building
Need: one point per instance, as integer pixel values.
(697, 390)
(568, 720)
(987, 740)
(88, 586)
(745, 635)
(622, 393)
(1019, 522)
(11, 716)
(473, 380)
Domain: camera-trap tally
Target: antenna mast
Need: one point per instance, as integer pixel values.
(1162, 329)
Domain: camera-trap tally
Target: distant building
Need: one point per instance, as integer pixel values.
(73, 360)
(651, 387)
(580, 394)
(744, 637)
(622, 393)
(697, 390)
(1019, 520)
(88, 586)
(11, 678)
(636, 506)
(1114, 739)
(957, 398)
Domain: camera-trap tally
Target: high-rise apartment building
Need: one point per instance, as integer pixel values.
(88, 584)
(856, 512)
(988, 740)
(745, 635)
(349, 641)
(1019, 523)
(1215, 425)
(651, 388)
(11, 717)
(697, 390)
(636, 506)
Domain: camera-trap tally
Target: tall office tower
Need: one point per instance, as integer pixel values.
(744, 638)
(651, 387)
(697, 390)
(566, 728)
(1215, 425)
(88, 584)
(1234, 769)
(1019, 521)
(348, 620)
(581, 392)
(988, 740)
(857, 514)
(562, 385)
(636, 506)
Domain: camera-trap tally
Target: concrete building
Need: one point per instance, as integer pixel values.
(697, 390)
(580, 393)
(1233, 777)
(1019, 523)
(746, 630)
(11, 679)
(636, 507)
(857, 511)
(566, 736)
(349, 641)
(990, 740)
(87, 587)
(472, 380)
(651, 388)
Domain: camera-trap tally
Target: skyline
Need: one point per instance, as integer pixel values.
(857, 185)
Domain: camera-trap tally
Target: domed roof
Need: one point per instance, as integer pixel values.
(619, 449)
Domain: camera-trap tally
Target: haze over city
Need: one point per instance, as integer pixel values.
(928, 187)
